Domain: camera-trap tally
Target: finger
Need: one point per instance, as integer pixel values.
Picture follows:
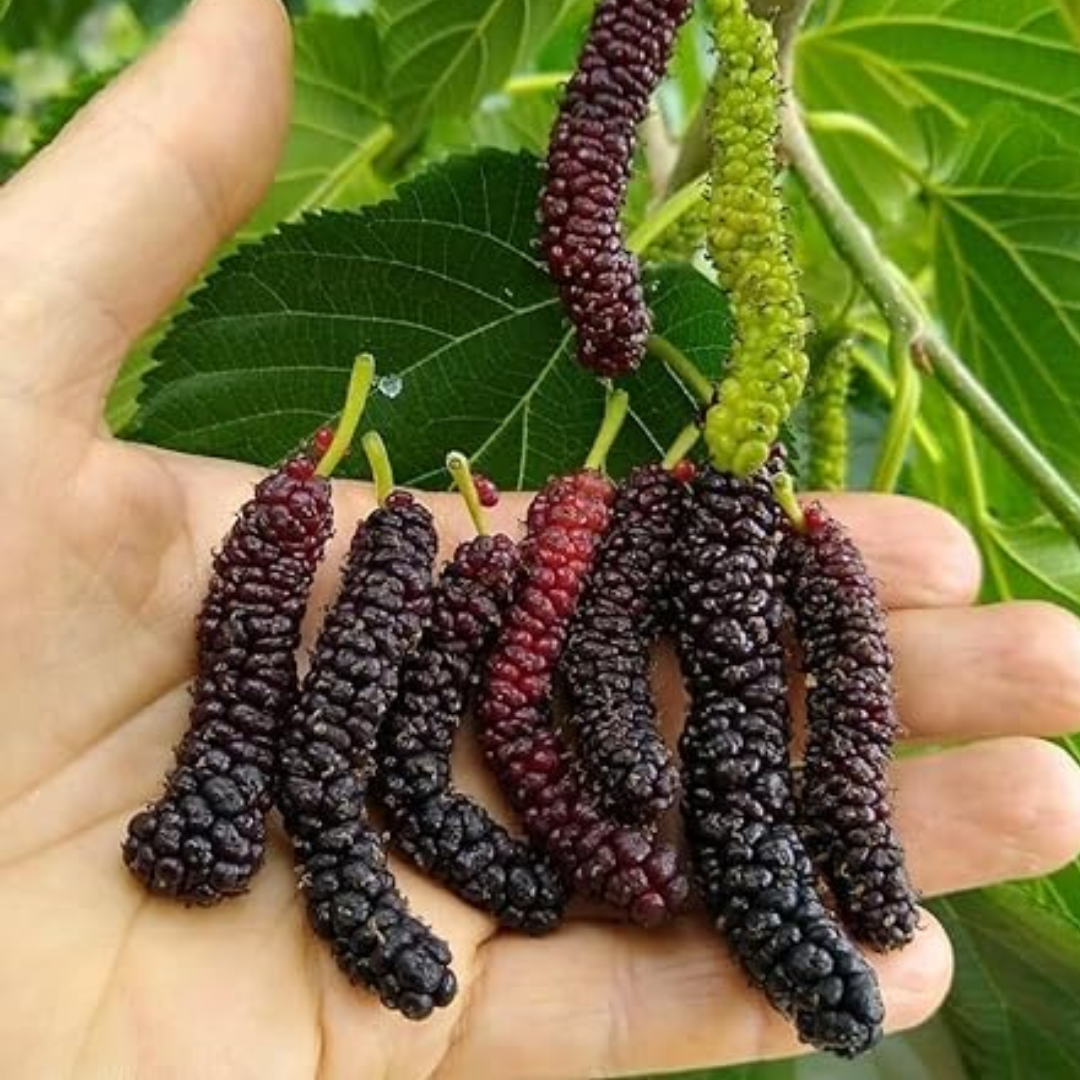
(997, 670)
(641, 1002)
(989, 812)
(130, 201)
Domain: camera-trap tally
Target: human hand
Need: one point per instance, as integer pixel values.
(104, 551)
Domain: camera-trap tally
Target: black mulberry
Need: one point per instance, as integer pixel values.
(327, 760)
(592, 146)
(756, 876)
(205, 838)
(607, 661)
(443, 831)
(627, 866)
(852, 725)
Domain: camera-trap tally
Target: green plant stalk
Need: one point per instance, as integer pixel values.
(856, 245)
(682, 367)
(457, 464)
(363, 374)
(379, 462)
(684, 442)
(615, 413)
(540, 82)
(670, 211)
(905, 409)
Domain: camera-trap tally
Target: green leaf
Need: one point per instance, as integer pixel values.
(894, 61)
(1041, 559)
(1007, 270)
(59, 111)
(1015, 1005)
(443, 285)
(444, 57)
(36, 22)
(339, 125)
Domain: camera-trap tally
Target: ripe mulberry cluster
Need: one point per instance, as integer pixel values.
(852, 724)
(328, 758)
(756, 876)
(628, 867)
(607, 663)
(748, 242)
(205, 838)
(625, 55)
(443, 831)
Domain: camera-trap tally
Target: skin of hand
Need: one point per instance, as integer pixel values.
(104, 552)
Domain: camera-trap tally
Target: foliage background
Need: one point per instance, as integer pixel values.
(953, 126)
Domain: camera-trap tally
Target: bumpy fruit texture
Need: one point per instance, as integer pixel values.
(629, 867)
(327, 760)
(592, 147)
(607, 661)
(828, 418)
(681, 240)
(755, 874)
(442, 830)
(851, 717)
(748, 242)
(205, 838)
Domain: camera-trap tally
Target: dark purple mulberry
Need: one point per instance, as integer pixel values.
(607, 661)
(588, 167)
(205, 838)
(443, 831)
(630, 867)
(328, 758)
(851, 717)
(756, 876)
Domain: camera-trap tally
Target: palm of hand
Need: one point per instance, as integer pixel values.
(104, 550)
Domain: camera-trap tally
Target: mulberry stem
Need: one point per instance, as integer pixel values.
(457, 464)
(616, 410)
(683, 368)
(363, 375)
(379, 461)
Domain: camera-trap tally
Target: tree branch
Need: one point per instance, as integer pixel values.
(928, 350)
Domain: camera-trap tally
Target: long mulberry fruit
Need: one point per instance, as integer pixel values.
(606, 663)
(625, 55)
(442, 830)
(205, 838)
(757, 879)
(628, 866)
(328, 759)
(851, 717)
(748, 242)
(828, 418)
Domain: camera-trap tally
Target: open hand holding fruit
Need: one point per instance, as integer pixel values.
(105, 554)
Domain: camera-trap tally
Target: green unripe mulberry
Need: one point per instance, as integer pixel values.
(830, 385)
(748, 242)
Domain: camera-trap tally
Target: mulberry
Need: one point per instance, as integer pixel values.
(828, 419)
(852, 723)
(592, 145)
(606, 663)
(327, 760)
(756, 876)
(748, 242)
(205, 838)
(443, 831)
(628, 867)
